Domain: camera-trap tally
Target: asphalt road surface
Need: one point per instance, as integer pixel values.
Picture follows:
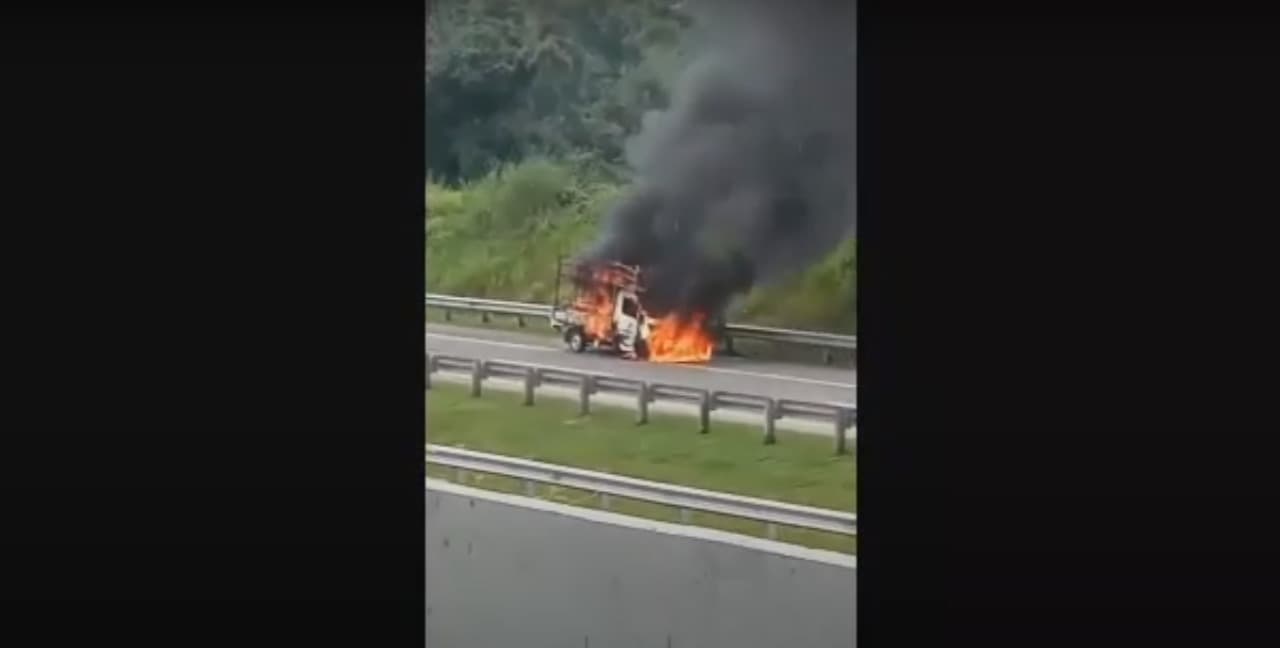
(740, 375)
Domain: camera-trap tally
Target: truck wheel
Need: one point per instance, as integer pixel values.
(574, 340)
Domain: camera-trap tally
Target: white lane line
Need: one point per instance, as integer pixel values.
(739, 372)
(512, 345)
(812, 381)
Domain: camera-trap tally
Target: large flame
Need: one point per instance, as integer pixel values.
(596, 306)
(595, 297)
(680, 340)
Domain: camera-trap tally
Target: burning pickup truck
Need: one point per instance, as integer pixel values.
(607, 312)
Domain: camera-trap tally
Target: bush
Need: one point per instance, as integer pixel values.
(822, 298)
(499, 237)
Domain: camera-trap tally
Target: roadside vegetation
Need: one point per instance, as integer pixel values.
(499, 237)
(800, 468)
(529, 107)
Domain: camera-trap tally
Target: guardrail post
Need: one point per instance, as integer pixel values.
(827, 356)
(704, 412)
(448, 315)
(484, 317)
(771, 530)
(477, 375)
(530, 379)
(642, 404)
(427, 373)
(584, 396)
(728, 346)
(770, 416)
(520, 321)
(605, 501)
(842, 418)
(686, 516)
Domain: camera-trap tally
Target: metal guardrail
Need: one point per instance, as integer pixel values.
(682, 497)
(493, 306)
(841, 416)
(791, 336)
(520, 310)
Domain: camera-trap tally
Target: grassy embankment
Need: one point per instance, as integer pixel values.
(800, 468)
(499, 237)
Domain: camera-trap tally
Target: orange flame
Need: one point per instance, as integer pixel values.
(596, 306)
(595, 298)
(674, 340)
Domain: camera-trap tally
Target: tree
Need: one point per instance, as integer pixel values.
(508, 79)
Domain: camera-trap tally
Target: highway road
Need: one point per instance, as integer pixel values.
(741, 375)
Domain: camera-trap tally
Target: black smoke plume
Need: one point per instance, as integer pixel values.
(748, 174)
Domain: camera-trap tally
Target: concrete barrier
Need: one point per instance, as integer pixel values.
(504, 570)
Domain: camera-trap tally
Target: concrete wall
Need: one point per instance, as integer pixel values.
(510, 571)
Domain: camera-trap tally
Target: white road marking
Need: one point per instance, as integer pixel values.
(512, 345)
(812, 381)
(739, 372)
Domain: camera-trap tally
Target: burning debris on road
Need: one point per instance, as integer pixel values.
(747, 177)
(677, 339)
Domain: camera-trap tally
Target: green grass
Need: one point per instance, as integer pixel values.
(800, 468)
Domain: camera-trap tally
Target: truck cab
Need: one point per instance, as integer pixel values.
(631, 324)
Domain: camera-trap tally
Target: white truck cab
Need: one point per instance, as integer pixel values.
(627, 318)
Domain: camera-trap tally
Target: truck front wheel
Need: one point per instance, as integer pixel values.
(574, 339)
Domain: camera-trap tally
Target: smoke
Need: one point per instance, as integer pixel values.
(747, 176)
